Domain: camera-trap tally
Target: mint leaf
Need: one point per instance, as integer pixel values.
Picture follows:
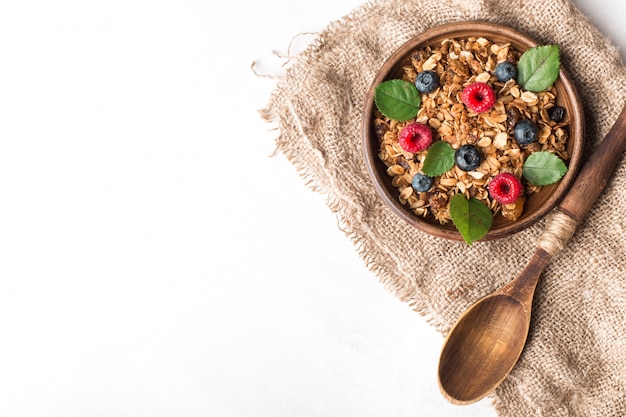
(538, 68)
(439, 159)
(543, 168)
(472, 218)
(397, 99)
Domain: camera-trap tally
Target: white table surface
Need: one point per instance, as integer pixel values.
(154, 260)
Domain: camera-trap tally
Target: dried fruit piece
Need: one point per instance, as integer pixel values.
(479, 97)
(514, 210)
(437, 199)
(505, 188)
(512, 117)
(401, 160)
(415, 137)
(556, 113)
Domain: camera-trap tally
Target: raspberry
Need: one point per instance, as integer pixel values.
(505, 188)
(478, 96)
(415, 137)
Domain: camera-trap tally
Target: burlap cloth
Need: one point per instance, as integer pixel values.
(574, 363)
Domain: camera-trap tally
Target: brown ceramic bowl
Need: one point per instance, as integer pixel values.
(537, 204)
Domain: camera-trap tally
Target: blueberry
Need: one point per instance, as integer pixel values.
(525, 132)
(505, 71)
(556, 113)
(421, 182)
(467, 157)
(427, 81)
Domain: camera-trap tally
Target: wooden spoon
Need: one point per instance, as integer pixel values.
(487, 340)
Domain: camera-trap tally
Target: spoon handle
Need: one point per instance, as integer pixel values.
(595, 173)
(589, 183)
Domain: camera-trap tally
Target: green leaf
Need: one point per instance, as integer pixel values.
(472, 218)
(397, 99)
(439, 159)
(543, 168)
(538, 68)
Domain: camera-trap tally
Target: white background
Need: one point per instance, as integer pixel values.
(154, 259)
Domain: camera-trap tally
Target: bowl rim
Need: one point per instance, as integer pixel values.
(458, 29)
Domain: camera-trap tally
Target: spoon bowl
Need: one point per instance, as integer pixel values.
(487, 340)
(485, 356)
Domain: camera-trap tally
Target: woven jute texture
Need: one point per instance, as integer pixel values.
(574, 363)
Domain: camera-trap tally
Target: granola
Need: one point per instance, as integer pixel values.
(458, 63)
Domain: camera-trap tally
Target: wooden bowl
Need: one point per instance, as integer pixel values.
(537, 204)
